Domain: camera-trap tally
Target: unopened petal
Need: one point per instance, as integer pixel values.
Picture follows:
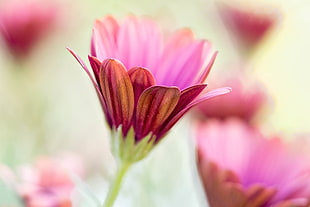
(179, 114)
(154, 107)
(187, 96)
(117, 90)
(141, 79)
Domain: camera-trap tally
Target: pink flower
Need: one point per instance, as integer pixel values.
(244, 102)
(249, 25)
(240, 167)
(24, 23)
(154, 80)
(48, 183)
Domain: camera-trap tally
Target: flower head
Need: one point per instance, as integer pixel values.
(240, 167)
(243, 102)
(144, 81)
(24, 24)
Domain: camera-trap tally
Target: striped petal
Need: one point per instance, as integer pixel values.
(141, 79)
(187, 96)
(117, 90)
(153, 108)
(177, 116)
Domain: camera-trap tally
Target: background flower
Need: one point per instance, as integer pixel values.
(239, 166)
(24, 23)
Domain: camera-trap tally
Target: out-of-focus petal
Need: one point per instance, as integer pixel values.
(244, 102)
(23, 24)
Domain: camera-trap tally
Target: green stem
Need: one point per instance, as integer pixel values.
(116, 184)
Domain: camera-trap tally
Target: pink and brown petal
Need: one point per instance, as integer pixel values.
(141, 79)
(153, 108)
(117, 90)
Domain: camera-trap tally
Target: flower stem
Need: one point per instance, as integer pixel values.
(116, 184)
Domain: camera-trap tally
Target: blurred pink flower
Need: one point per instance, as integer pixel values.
(240, 167)
(24, 23)
(243, 102)
(248, 24)
(161, 79)
(48, 183)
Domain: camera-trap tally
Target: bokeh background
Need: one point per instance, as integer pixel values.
(48, 105)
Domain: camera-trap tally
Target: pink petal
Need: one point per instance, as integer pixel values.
(186, 60)
(129, 43)
(190, 66)
(104, 35)
(151, 50)
(135, 46)
(207, 69)
(178, 40)
(211, 94)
